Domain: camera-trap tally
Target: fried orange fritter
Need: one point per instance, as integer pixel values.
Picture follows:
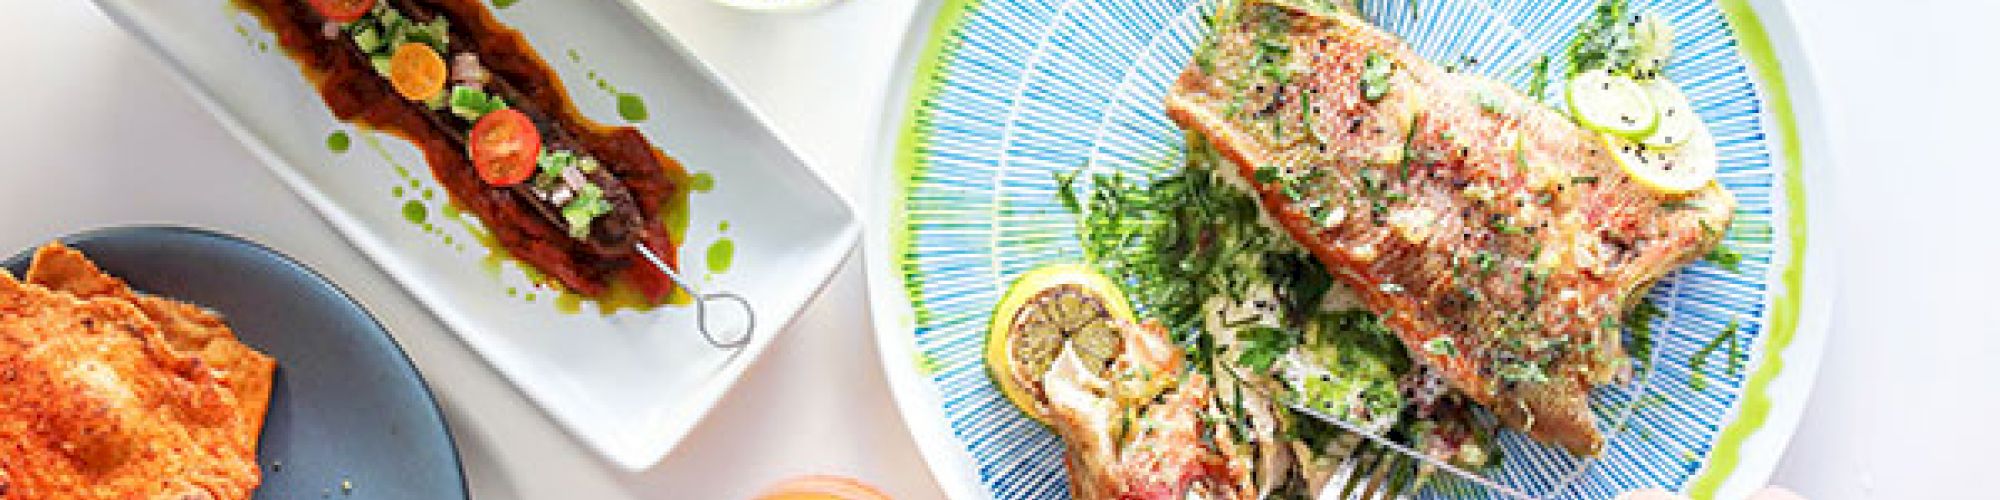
(111, 394)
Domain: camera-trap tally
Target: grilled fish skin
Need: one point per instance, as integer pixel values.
(1499, 241)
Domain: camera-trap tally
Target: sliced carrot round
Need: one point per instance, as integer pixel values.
(503, 146)
(416, 71)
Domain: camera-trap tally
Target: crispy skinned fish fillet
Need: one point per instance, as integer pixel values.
(109, 394)
(1500, 241)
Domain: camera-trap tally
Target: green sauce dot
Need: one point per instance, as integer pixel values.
(415, 212)
(724, 226)
(721, 255)
(428, 194)
(702, 182)
(631, 107)
(502, 4)
(338, 141)
(396, 191)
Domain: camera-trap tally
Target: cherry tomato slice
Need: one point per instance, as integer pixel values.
(503, 146)
(342, 11)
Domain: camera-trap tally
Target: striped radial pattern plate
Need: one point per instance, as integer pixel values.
(1024, 89)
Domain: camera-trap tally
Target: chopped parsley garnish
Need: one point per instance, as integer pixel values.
(1375, 73)
(1266, 174)
(1639, 321)
(1441, 346)
(1725, 257)
(1538, 76)
(1604, 40)
(1260, 347)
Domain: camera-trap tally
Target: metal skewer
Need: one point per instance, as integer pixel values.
(701, 301)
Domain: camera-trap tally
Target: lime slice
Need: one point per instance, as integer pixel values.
(1611, 104)
(1683, 169)
(1044, 310)
(1678, 121)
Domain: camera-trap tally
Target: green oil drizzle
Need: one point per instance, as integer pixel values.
(631, 107)
(1755, 409)
(721, 255)
(911, 139)
(569, 303)
(415, 212)
(338, 142)
(502, 4)
(702, 182)
(927, 364)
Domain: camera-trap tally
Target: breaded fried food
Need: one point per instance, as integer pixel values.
(111, 394)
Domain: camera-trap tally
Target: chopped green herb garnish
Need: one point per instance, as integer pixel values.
(586, 207)
(1260, 347)
(1441, 346)
(1375, 73)
(1639, 321)
(471, 103)
(1538, 76)
(1725, 257)
(1266, 174)
(1604, 40)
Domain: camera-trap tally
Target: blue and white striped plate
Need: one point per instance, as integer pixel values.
(1005, 93)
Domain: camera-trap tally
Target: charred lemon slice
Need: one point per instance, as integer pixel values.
(1044, 310)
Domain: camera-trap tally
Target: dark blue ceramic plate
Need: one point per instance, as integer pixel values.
(347, 405)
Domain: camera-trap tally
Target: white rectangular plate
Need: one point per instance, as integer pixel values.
(629, 384)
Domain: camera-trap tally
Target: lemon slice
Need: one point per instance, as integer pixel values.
(1679, 170)
(1611, 104)
(1678, 121)
(1045, 309)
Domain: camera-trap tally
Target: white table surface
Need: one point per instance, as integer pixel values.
(94, 132)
